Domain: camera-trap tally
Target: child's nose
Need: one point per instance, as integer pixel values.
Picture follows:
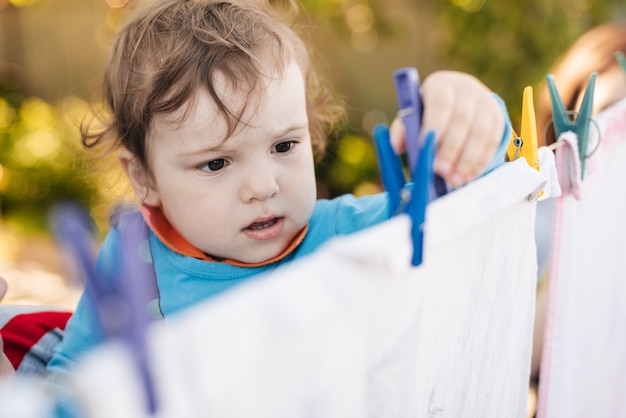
(259, 183)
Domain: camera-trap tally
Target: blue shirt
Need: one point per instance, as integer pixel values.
(183, 281)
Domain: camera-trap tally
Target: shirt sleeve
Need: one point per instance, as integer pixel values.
(499, 156)
(343, 215)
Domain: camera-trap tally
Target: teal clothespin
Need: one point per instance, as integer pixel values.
(563, 122)
(621, 59)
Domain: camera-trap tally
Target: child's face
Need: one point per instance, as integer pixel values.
(244, 198)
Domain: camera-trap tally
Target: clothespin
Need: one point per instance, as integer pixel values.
(410, 110)
(526, 145)
(404, 197)
(410, 107)
(120, 309)
(621, 59)
(563, 122)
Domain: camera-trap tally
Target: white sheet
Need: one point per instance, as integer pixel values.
(353, 331)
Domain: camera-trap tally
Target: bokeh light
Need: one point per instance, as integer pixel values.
(116, 3)
(470, 6)
(23, 3)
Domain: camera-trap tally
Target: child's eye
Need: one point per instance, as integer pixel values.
(214, 165)
(284, 146)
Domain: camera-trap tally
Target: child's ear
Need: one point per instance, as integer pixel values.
(140, 179)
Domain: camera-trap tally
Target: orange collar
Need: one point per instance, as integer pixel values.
(171, 237)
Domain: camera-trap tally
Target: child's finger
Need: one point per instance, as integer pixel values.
(6, 368)
(438, 118)
(3, 288)
(397, 135)
(452, 142)
(483, 140)
(471, 162)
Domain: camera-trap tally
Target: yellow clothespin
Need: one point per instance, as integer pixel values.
(526, 145)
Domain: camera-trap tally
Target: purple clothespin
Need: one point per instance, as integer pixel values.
(121, 298)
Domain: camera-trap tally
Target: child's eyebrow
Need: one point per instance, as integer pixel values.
(223, 146)
(204, 150)
(292, 128)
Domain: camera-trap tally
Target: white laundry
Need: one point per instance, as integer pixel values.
(354, 330)
(583, 370)
(547, 167)
(23, 398)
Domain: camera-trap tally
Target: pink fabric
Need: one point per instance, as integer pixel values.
(583, 370)
(568, 164)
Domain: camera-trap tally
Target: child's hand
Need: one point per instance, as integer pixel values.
(6, 369)
(468, 121)
(3, 288)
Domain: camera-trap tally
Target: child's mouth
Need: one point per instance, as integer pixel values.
(262, 225)
(266, 229)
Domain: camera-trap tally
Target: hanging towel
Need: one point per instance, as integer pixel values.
(583, 369)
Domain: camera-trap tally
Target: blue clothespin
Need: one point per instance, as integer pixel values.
(119, 301)
(563, 122)
(404, 197)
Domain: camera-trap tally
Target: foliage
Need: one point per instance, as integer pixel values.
(508, 44)
(512, 44)
(40, 162)
(349, 167)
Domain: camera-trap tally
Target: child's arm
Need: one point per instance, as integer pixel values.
(471, 123)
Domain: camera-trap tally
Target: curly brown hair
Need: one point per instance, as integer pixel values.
(169, 50)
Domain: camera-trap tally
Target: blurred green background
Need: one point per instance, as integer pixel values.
(52, 53)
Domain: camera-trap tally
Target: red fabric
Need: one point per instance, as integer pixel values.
(24, 330)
